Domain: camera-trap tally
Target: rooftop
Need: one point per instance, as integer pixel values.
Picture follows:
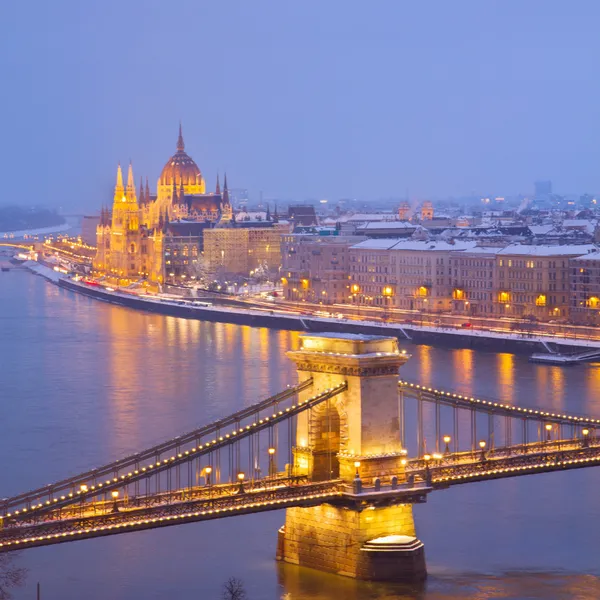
(554, 250)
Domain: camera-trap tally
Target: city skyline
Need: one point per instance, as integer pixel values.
(310, 101)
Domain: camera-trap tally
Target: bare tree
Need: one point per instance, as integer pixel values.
(10, 575)
(234, 590)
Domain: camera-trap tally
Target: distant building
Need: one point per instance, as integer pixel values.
(404, 211)
(542, 189)
(427, 211)
(302, 215)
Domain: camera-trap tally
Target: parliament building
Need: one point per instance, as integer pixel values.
(158, 238)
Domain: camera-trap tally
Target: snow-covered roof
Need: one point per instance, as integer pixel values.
(544, 250)
(388, 225)
(394, 244)
(540, 229)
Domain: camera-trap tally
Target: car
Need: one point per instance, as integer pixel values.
(466, 325)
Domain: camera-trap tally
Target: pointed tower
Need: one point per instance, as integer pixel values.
(180, 144)
(225, 189)
(119, 189)
(268, 216)
(147, 193)
(226, 211)
(218, 188)
(141, 197)
(130, 189)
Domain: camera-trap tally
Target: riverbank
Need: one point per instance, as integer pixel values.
(229, 313)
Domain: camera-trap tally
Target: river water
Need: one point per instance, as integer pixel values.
(83, 382)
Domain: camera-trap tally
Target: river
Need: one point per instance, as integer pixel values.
(83, 382)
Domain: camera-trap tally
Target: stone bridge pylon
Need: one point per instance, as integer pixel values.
(355, 437)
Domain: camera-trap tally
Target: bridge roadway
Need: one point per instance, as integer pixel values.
(201, 503)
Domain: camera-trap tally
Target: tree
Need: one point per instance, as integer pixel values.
(10, 575)
(234, 590)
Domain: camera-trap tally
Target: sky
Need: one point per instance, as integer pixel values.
(300, 100)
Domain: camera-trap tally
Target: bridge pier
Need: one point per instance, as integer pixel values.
(354, 437)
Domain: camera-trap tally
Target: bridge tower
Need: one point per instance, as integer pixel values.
(372, 536)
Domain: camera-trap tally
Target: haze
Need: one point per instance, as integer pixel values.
(301, 100)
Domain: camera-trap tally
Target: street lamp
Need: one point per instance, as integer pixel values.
(207, 472)
(271, 461)
(548, 432)
(447, 440)
(482, 445)
(115, 497)
(356, 466)
(241, 477)
(586, 439)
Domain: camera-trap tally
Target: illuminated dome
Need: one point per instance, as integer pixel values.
(181, 167)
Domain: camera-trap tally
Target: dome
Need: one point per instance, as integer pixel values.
(180, 167)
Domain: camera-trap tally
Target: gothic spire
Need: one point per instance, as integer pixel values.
(225, 190)
(180, 144)
(142, 198)
(119, 176)
(268, 215)
(147, 194)
(218, 189)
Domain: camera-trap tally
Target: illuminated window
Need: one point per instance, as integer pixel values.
(593, 302)
(422, 291)
(387, 291)
(504, 297)
(540, 300)
(458, 294)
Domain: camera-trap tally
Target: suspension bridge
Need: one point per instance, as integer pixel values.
(347, 452)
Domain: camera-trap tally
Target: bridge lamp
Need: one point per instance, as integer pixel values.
(208, 471)
(271, 452)
(83, 488)
(357, 466)
(586, 439)
(548, 432)
(482, 445)
(241, 477)
(115, 497)
(447, 440)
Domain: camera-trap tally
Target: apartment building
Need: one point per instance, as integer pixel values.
(239, 250)
(585, 289)
(472, 279)
(535, 280)
(315, 267)
(406, 274)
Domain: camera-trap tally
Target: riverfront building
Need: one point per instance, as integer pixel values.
(539, 282)
(152, 237)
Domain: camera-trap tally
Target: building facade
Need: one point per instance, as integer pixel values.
(315, 268)
(240, 249)
(141, 232)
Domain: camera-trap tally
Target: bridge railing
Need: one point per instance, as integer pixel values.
(217, 460)
(72, 484)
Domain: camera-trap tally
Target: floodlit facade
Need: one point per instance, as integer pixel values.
(132, 236)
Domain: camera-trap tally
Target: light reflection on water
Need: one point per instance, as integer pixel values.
(84, 382)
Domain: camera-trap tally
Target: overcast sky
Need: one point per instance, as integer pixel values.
(311, 99)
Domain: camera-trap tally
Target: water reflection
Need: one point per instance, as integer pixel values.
(85, 382)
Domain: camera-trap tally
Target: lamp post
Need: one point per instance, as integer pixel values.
(447, 440)
(207, 472)
(586, 437)
(115, 497)
(357, 466)
(427, 459)
(548, 432)
(271, 461)
(482, 445)
(241, 477)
